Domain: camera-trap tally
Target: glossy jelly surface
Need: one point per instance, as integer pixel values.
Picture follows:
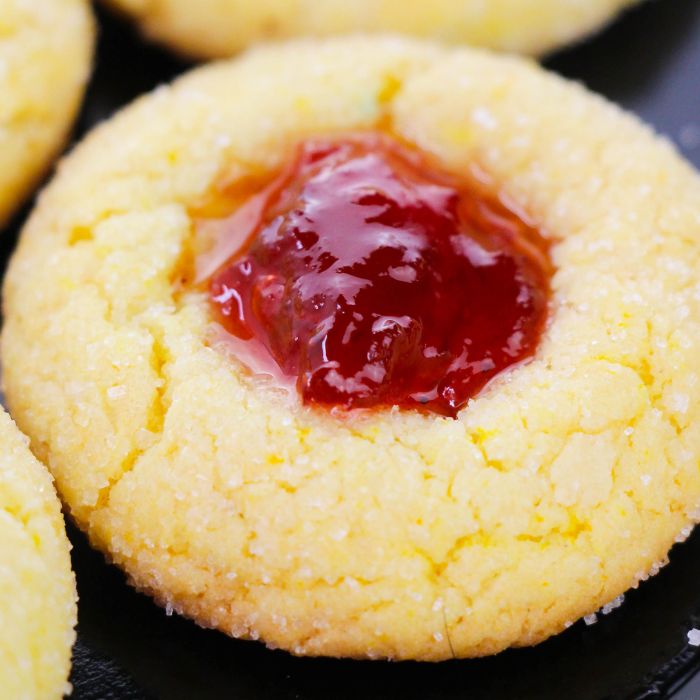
(372, 279)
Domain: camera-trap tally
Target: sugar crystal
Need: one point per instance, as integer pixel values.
(694, 637)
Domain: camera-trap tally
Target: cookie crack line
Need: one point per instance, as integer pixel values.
(24, 519)
(157, 413)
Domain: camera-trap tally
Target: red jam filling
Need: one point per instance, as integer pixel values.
(373, 280)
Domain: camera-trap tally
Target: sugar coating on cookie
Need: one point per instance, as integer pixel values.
(219, 28)
(45, 54)
(391, 533)
(37, 587)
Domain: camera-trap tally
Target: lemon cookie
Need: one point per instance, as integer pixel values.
(219, 28)
(45, 52)
(198, 344)
(37, 588)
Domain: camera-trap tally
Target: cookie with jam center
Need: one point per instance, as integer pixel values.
(37, 587)
(213, 337)
(45, 55)
(219, 28)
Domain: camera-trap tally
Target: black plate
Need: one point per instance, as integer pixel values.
(128, 648)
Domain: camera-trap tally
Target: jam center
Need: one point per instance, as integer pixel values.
(373, 280)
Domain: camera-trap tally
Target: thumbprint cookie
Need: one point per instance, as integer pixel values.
(45, 55)
(37, 587)
(367, 347)
(219, 28)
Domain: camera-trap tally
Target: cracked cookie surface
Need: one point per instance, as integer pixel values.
(45, 53)
(219, 28)
(37, 587)
(394, 533)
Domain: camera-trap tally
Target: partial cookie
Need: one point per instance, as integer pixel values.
(389, 533)
(220, 28)
(45, 53)
(37, 587)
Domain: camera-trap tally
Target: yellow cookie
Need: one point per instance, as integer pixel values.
(219, 28)
(45, 52)
(37, 587)
(386, 532)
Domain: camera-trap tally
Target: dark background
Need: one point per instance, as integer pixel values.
(649, 61)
